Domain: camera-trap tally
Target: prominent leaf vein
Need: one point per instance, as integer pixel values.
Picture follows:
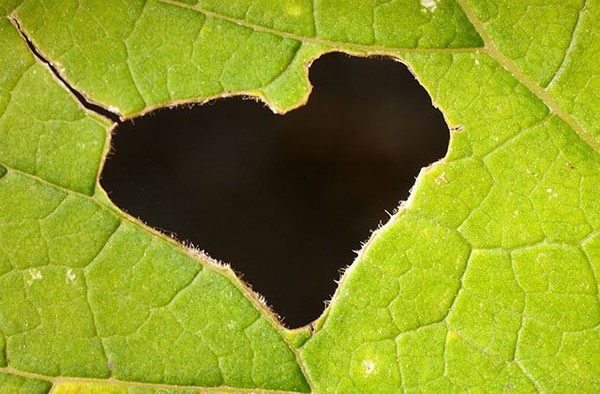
(123, 383)
(491, 49)
(320, 41)
(565, 59)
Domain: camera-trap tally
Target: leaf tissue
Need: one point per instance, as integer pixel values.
(486, 279)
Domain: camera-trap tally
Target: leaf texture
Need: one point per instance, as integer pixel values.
(485, 279)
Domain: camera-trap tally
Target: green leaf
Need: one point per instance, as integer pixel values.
(485, 279)
(18, 384)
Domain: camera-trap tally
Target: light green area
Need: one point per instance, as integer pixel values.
(89, 388)
(129, 58)
(390, 24)
(516, 198)
(12, 384)
(485, 280)
(559, 54)
(84, 290)
(541, 57)
(129, 388)
(102, 287)
(43, 131)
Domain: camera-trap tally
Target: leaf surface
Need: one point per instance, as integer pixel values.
(485, 279)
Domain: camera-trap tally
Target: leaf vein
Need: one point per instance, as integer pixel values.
(563, 64)
(370, 48)
(491, 49)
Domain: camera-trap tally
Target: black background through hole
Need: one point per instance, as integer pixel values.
(286, 200)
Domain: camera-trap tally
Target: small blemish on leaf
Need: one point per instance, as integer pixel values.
(71, 276)
(552, 194)
(441, 179)
(429, 5)
(453, 336)
(35, 275)
(368, 366)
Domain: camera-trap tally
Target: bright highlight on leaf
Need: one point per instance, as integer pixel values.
(486, 279)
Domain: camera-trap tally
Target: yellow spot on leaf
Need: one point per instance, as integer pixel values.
(453, 336)
(292, 8)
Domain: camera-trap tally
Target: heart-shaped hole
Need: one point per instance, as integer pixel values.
(286, 200)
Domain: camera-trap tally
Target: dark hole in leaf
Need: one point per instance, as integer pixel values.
(286, 200)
